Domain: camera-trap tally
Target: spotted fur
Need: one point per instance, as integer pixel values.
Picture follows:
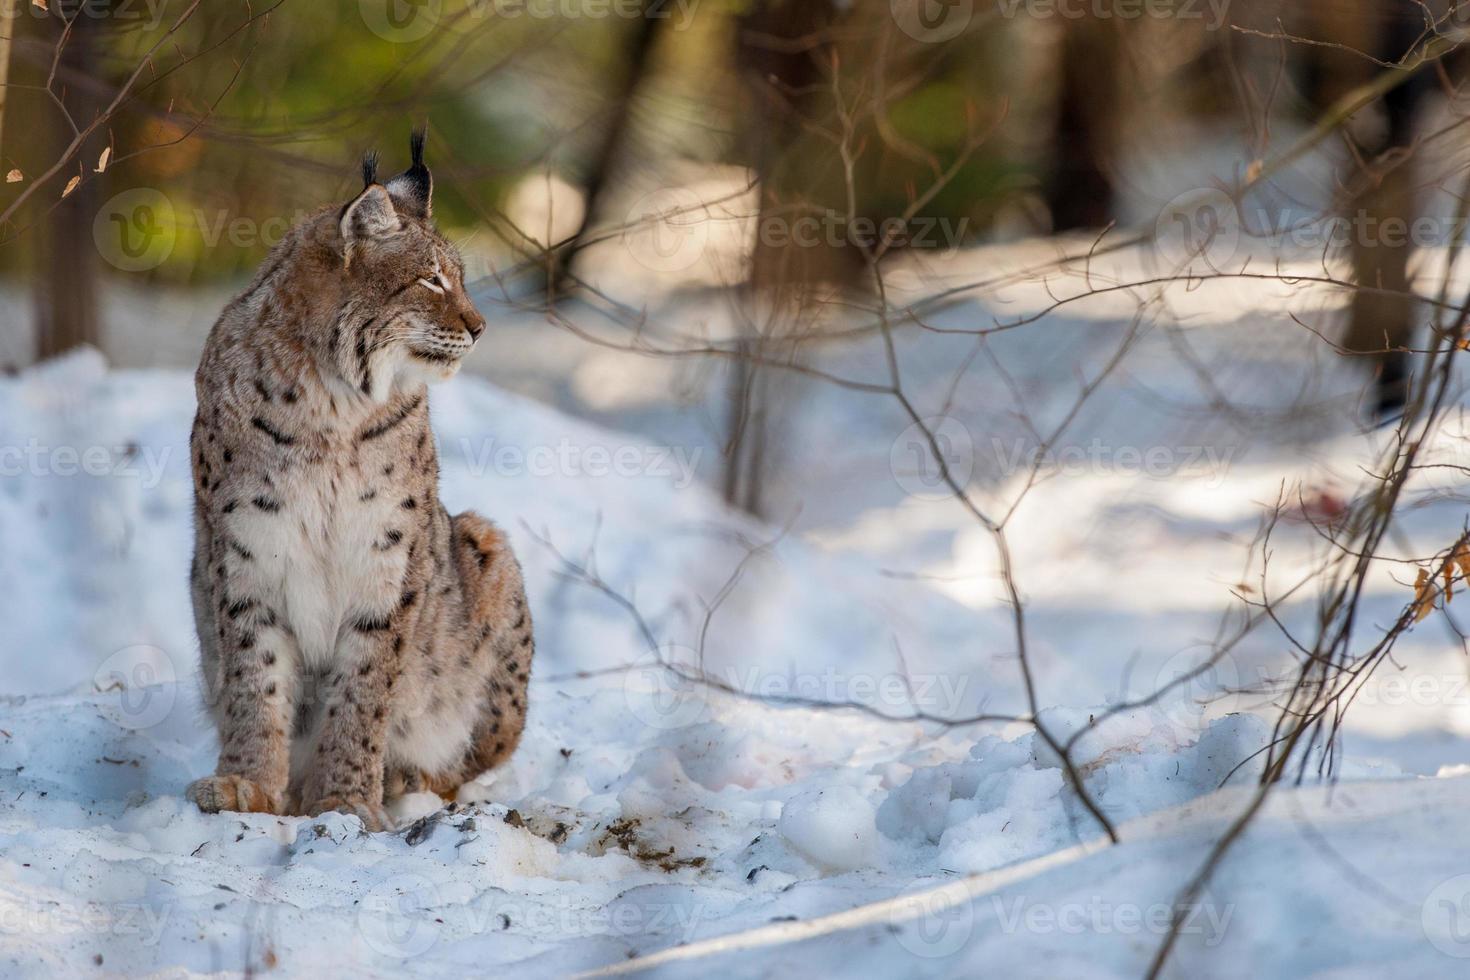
(353, 635)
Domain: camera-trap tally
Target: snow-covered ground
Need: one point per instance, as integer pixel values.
(650, 825)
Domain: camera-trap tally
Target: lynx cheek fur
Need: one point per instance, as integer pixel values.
(355, 639)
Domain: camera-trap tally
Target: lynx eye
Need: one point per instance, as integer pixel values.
(436, 283)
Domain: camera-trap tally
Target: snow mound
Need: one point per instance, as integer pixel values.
(1011, 800)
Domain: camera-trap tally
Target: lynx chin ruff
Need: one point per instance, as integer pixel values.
(356, 640)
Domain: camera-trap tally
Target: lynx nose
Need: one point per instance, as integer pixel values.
(474, 325)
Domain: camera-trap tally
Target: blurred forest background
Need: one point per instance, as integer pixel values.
(1084, 352)
(155, 149)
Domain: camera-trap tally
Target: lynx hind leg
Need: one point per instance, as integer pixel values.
(500, 624)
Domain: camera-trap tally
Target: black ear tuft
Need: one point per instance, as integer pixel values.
(413, 190)
(369, 168)
(416, 144)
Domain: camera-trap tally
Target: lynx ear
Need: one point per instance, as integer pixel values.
(413, 190)
(369, 217)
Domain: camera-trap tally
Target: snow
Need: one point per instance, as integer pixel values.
(1314, 892)
(649, 823)
(832, 827)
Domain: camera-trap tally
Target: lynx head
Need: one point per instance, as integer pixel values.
(407, 277)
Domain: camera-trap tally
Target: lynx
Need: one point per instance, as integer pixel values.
(357, 642)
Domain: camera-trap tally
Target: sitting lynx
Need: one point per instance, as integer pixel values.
(355, 638)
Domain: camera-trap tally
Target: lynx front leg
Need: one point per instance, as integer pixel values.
(253, 690)
(345, 772)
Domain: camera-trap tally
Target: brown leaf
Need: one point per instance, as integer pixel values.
(1423, 596)
(1449, 580)
(71, 185)
(102, 160)
(14, 177)
(40, 3)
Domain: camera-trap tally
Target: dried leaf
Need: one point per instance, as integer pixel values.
(1423, 596)
(40, 3)
(1462, 558)
(1464, 343)
(71, 185)
(14, 177)
(1449, 581)
(1253, 172)
(102, 160)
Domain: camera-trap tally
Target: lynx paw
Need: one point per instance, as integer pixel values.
(373, 816)
(400, 782)
(231, 792)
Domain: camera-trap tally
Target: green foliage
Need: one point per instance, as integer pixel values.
(251, 114)
(290, 101)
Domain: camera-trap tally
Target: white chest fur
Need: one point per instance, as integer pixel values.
(325, 554)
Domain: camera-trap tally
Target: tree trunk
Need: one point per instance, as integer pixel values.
(781, 50)
(1080, 190)
(65, 283)
(1380, 321)
(641, 44)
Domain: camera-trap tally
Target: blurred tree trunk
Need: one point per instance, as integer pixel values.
(781, 50)
(641, 43)
(1381, 321)
(7, 15)
(784, 52)
(65, 281)
(1080, 189)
